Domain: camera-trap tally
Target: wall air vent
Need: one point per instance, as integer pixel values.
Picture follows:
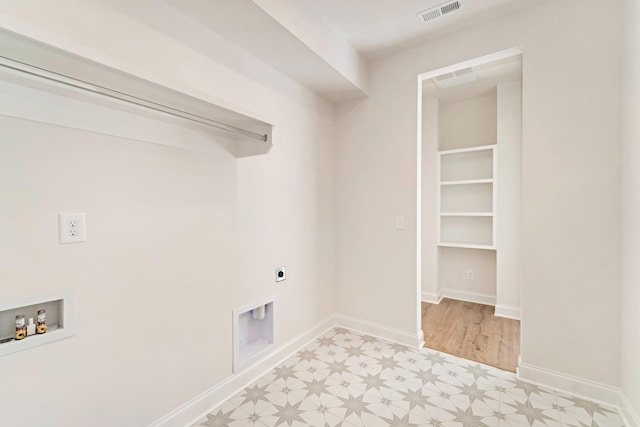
(456, 78)
(439, 11)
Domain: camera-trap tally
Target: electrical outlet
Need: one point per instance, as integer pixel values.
(71, 228)
(281, 274)
(470, 274)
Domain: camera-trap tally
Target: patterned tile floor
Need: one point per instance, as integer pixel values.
(348, 379)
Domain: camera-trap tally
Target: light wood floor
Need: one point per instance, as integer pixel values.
(471, 331)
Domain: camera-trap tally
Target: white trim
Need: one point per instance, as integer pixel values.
(191, 411)
(438, 197)
(418, 284)
(581, 387)
(432, 298)
(476, 297)
(508, 311)
(627, 411)
(471, 63)
(496, 182)
(381, 331)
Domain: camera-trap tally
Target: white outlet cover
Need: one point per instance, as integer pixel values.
(72, 228)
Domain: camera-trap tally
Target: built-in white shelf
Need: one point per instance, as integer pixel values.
(466, 213)
(468, 182)
(33, 64)
(465, 246)
(60, 311)
(468, 149)
(467, 197)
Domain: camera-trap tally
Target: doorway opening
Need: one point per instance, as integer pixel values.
(469, 208)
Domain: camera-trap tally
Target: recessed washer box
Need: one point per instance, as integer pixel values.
(253, 332)
(60, 310)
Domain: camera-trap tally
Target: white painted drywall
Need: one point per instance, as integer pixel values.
(430, 130)
(468, 123)
(453, 264)
(630, 292)
(176, 238)
(155, 237)
(320, 36)
(509, 237)
(376, 179)
(571, 125)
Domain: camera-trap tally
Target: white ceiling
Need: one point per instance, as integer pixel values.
(308, 40)
(377, 28)
(259, 33)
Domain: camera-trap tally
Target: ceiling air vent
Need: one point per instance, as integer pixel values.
(439, 11)
(457, 78)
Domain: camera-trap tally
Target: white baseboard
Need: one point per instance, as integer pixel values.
(476, 297)
(414, 340)
(590, 390)
(196, 408)
(431, 297)
(581, 387)
(628, 413)
(508, 311)
(501, 310)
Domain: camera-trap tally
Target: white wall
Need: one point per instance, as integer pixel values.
(453, 264)
(430, 290)
(509, 253)
(375, 180)
(203, 232)
(570, 183)
(630, 295)
(156, 236)
(468, 123)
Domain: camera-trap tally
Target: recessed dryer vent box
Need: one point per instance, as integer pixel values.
(253, 334)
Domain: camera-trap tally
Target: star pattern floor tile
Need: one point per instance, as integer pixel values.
(347, 379)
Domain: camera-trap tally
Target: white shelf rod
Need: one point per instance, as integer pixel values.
(42, 73)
